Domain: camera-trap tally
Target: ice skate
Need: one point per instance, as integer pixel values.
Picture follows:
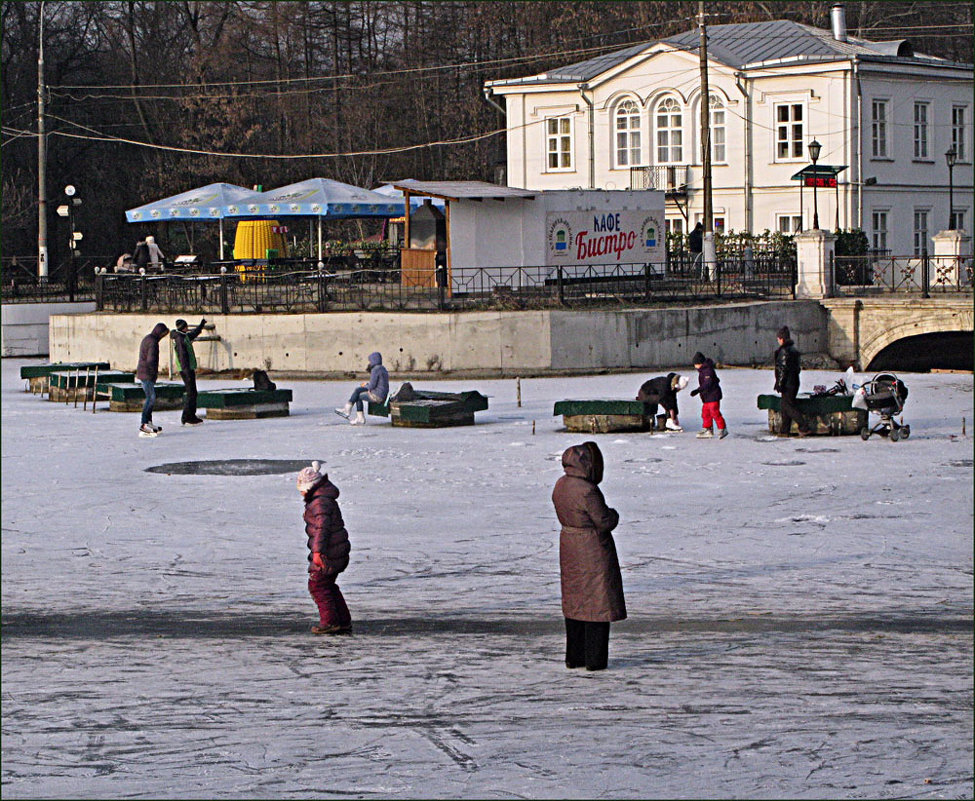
(331, 630)
(359, 419)
(345, 411)
(193, 421)
(147, 430)
(705, 433)
(722, 432)
(672, 426)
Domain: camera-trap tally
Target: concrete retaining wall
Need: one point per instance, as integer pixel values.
(501, 343)
(24, 326)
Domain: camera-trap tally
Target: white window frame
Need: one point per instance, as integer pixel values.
(879, 228)
(958, 115)
(922, 130)
(718, 218)
(717, 118)
(789, 133)
(880, 128)
(628, 151)
(674, 225)
(958, 221)
(555, 142)
(792, 223)
(921, 231)
(670, 108)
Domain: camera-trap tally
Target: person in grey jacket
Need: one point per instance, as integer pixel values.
(147, 372)
(375, 389)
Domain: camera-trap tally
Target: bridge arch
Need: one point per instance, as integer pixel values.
(881, 325)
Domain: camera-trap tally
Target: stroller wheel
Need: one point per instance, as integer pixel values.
(905, 432)
(864, 434)
(895, 434)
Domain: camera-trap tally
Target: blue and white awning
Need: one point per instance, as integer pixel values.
(206, 203)
(316, 197)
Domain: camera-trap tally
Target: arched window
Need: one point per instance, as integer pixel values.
(628, 141)
(719, 153)
(670, 132)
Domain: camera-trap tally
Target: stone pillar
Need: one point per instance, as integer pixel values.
(952, 265)
(814, 256)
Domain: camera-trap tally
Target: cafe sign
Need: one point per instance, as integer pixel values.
(604, 237)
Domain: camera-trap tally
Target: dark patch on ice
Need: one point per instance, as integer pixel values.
(232, 467)
(210, 624)
(960, 463)
(817, 450)
(783, 464)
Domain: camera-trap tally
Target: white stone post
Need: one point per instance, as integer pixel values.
(952, 259)
(814, 256)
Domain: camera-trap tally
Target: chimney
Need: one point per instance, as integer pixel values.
(838, 16)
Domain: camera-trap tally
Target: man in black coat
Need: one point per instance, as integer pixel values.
(787, 370)
(186, 364)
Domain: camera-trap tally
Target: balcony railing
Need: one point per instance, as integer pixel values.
(924, 274)
(668, 178)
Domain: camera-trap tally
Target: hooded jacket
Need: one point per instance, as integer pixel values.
(148, 367)
(708, 383)
(787, 367)
(378, 377)
(592, 585)
(325, 528)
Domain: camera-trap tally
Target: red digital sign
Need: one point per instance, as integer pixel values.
(820, 182)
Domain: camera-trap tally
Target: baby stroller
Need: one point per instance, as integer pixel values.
(885, 395)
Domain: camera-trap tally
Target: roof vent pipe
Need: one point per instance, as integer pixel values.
(838, 16)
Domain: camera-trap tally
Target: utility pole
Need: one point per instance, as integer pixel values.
(709, 250)
(41, 157)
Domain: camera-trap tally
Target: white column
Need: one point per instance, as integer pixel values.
(814, 256)
(952, 259)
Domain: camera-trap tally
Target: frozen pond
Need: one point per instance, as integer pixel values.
(800, 610)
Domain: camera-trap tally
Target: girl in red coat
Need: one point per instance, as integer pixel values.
(328, 544)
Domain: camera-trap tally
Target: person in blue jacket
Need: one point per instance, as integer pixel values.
(375, 389)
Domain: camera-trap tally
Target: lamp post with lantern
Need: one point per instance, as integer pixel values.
(951, 158)
(814, 150)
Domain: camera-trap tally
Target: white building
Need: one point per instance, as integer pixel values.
(631, 119)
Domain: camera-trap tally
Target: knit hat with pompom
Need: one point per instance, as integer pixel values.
(309, 477)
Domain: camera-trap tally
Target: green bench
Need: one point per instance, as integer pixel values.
(605, 416)
(38, 375)
(825, 414)
(123, 397)
(79, 385)
(244, 403)
(427, 409)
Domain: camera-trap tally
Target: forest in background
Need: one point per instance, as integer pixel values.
(147, 99)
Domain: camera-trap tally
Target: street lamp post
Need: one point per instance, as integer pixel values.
(814, 150)
(951, 158)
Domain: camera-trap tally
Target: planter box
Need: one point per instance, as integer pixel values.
(827, 415)
(604, 416)
(38, 375)
(244, 403)
(68, 386)
(432, 409)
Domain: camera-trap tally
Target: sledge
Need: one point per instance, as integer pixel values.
(427, 409)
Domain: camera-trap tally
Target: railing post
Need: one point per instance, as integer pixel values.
(144, 292)
(925, 275)
(647, 268)
(718, 265)
(322, 292)
(561, 287)
(224, 300)
(100, 291)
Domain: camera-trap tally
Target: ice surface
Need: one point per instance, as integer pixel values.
(800, 610)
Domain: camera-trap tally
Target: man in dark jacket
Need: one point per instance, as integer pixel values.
(787, 370)
(186, 364)
(695, 241)
(663, 390)
(147, 372)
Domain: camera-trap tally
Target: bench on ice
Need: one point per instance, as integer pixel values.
(825, 414)
(244, 403)
(38, 375)
(604, 416)
(78, 385)
(125, 397)
(427, 409)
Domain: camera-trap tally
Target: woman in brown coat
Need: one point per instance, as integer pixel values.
(592, 586)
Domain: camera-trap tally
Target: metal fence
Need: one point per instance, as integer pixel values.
(269, 290)
(66, 282)
(923, 275)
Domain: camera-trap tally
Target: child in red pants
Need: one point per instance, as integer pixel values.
(328, 543)
(709, 388)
